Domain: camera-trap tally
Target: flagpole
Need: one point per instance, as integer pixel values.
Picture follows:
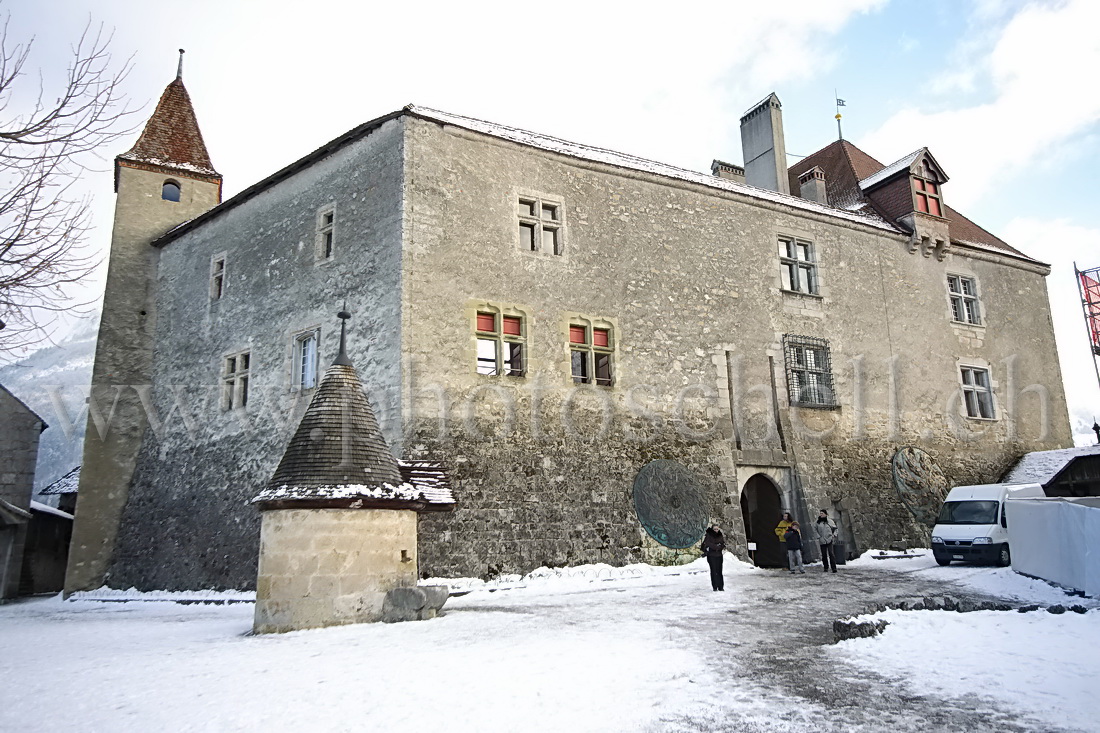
(839, 102)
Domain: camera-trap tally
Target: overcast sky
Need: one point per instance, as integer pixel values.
(1003, 93)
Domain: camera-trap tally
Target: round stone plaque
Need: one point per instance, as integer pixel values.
(920, 484)
(669, 504)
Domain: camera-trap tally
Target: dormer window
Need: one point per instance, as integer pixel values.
(926, 190)
(927, 194)
(170, 191)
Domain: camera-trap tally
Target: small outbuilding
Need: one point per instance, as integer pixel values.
(20, 428)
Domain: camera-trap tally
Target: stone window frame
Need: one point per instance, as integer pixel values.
(585, 356)
(809, 366)
(324, 247)
(298, 372)
(164, 195)
(529, 207)
(958, 299)
(236, 375)
(972, 392)
(509, 350)
(790, 257)
(218, 275)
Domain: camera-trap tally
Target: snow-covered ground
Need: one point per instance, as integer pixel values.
(585, 649)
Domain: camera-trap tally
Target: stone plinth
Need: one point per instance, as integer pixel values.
(326, 567)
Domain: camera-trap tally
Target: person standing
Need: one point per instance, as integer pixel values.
(793, 538)
(781, 529)
(714, 544)
(825, 529)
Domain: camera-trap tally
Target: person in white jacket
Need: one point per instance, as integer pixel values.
(825, 530)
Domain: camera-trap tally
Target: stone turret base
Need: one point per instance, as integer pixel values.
(327, 567)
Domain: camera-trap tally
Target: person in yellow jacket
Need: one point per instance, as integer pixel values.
(781, 529)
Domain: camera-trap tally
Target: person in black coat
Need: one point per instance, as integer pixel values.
(793, 538)
(714, 544)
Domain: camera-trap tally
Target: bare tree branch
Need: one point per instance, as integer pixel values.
(45, 146)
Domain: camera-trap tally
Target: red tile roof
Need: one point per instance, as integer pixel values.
(845, 166)
(171, 139)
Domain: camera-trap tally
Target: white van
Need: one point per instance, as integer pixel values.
(973, 526)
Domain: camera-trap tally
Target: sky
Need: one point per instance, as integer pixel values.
(1000, 92)
(590, 648)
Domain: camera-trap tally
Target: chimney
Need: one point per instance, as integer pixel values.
(763, 147)
(729, 171)
(812, 185)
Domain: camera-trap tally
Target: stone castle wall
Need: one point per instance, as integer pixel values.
(690, 279)
(188, 523)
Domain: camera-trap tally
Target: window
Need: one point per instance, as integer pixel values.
(500, 344)
(590, 352)
(977, 393)
(235, 381)
(809, 371)
(926, 192)
(170, 191)
(964, 299)
(217, 277)
(798, 265)
(326, 226)
(305, 359)
(540, 226)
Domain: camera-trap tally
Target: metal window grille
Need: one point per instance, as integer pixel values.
(501, 345)
(809, 371)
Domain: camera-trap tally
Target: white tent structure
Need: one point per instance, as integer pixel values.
(1057, 539)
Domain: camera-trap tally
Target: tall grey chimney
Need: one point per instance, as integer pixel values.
(763, 147)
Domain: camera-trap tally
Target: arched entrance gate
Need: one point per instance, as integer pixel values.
(761, 509)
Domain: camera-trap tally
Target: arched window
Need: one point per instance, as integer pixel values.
(170, 191)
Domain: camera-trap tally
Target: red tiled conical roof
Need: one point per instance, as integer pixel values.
(171, 138)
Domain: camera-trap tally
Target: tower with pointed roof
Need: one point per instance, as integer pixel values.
(165, 179)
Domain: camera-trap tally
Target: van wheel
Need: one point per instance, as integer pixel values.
(943, 560)
(1005, 558)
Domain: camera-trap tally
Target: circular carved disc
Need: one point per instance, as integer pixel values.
(669, 504)
(920, 484)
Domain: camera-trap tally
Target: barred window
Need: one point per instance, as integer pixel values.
(964, 299)
(809, 371)
(501, 344)
(977, 392)
(798, 265)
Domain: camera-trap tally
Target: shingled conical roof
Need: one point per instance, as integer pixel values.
(338, 452)
(171, 138)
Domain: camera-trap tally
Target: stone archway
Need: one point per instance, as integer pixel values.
(761, 508)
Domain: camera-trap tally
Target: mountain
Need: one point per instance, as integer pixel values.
(54, 382)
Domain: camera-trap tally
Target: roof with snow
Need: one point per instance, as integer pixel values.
(338, 456)
(171, 138)
(850, 172)
(1040, 467)
(37, 506)
(67, 484)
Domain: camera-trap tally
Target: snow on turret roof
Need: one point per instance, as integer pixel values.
(171, 138)
(67, 484)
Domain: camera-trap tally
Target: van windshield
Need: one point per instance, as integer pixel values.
(968, 512)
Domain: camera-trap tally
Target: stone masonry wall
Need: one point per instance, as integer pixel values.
(19, 432)
(187, 523)
(689, 278)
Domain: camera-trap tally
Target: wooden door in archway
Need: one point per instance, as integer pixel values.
(761, 509)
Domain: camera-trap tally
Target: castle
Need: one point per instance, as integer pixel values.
(607, 353)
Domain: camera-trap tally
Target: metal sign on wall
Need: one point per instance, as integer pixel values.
(669, 503)
(920, 484)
